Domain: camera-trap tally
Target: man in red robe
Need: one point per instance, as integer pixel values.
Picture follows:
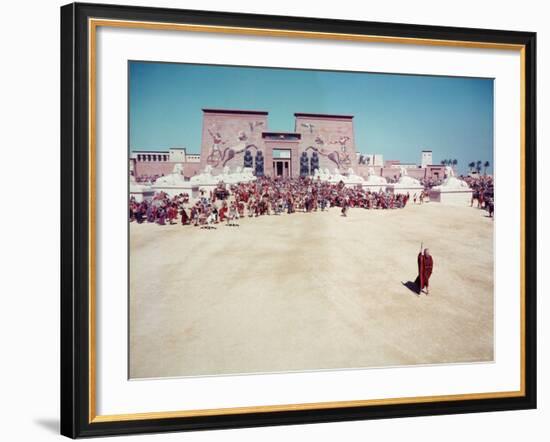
(425, 267)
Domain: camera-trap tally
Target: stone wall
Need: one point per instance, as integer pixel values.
(226, 135)
(160, 168)
(152, 168)
(331, 136)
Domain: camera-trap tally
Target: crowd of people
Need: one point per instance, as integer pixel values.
(483, 192)
(148, 179)
(275, 196)
(430, 182)
(264, 196)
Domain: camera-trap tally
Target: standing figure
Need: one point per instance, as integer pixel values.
(259, 169)
(304, 165)
(215, 155)
(425, 267)
(314, 162)
(248, 159)
(184, 217)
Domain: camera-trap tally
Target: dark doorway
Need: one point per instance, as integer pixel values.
(281, 168)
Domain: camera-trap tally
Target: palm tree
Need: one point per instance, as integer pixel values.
(471, 166)
(444, 162)
(486, 164)
(455, 162)
(478, 166)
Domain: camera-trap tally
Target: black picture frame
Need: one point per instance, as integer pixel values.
(75, 221)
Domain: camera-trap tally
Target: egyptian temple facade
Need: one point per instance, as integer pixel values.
(235, 139)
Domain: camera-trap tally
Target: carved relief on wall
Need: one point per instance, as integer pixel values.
(341, 157)
(223, 149)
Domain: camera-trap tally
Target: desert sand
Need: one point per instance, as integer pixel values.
(311, 291)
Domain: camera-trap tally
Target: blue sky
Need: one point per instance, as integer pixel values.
(395, 115)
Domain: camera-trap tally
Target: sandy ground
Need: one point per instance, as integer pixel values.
(311, 291)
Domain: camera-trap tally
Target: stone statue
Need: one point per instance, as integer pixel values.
(304, 166)
(314, 162)
(259, 163)
(248, 160)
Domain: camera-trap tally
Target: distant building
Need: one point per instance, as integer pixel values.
(392, 163)
(371, 159)
(177, 154)
(151, 163)
(404, 165)
(426, 158)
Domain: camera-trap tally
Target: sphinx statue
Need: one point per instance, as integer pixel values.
(175, 178)
(449, 171)
(451, 182)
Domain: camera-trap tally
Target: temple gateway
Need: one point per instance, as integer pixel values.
(242, 138)
(233, 139)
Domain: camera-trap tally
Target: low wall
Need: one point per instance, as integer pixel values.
(161, 168)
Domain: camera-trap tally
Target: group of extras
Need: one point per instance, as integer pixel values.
(265, 196)
(483, 193)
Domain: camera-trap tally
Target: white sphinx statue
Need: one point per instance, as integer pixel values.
(321, 174)
(451, 182)
(205, 177)
(136, 187)
(336, 176)
(139, 191)
(407, 180)
(374, 182)
(353, 178)
(239, 175)
(452, 190)
(372, 178)
(174, 179)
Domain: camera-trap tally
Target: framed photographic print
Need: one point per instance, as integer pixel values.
(274, 220)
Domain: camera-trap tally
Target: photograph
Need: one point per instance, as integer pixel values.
(271, 219)
(299, 220)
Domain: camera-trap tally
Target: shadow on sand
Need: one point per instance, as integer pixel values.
(412, 286)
